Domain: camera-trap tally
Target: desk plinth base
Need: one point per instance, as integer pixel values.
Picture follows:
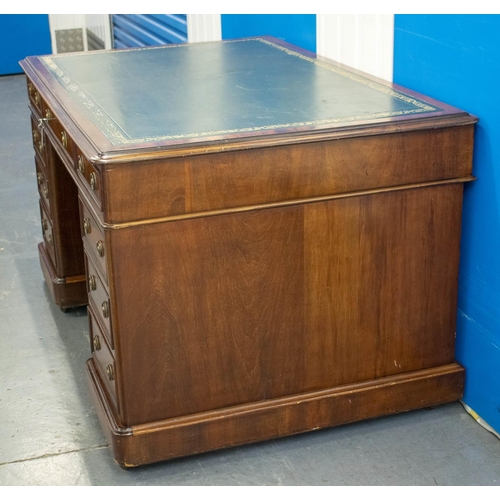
(66, 292)
(260, 421)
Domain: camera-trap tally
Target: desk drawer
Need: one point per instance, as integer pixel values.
(48, 236)
(35, 97)
(62, 136)
(99, 299)
(43, 184)
(102, 355)
(93, 235)
(89, 175)
(38, 144)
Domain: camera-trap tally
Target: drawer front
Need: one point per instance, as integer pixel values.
(38, 144)
(90, 176)
(35, 97)
(99, 298)
(48, 237)
(62, 136)
(93, 235)
(103, 358)
(43, 184)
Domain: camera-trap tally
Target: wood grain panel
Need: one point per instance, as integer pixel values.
(259, 305)
(381, 275)
(220, 301)
(234, 179)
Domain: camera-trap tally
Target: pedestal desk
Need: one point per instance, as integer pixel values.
(267, 241)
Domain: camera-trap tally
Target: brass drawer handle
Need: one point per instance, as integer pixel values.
(81, 164)
(110, 372)
(35, 136)
(100, 248)
(92, 283)
(37, 99)
(49, 239)
(46, 191)
(96, 343)
(48, 114)
(93, 181)
(40, 146)
(87, 228)
(45, 226)
(105, 309)
(39, 178)
(30, 88)
(64, 138)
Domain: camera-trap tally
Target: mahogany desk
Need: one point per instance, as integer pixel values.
(270, 239)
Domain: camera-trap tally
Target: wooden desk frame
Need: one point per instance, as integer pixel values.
(257, 286)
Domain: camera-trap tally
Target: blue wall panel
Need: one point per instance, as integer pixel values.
(456, 58)
(299, 29)
(22, 35)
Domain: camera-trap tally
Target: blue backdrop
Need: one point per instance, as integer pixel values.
(456, 58)
(22, 35)
(299, 29)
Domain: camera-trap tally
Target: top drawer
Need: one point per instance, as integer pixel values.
(35, 97)
(62, 136)
(90, 176)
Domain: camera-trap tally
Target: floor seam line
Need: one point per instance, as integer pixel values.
(48, 455)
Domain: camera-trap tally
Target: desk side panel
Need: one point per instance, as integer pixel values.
(211, 182)
(232, 309)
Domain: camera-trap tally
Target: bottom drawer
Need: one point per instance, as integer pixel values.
(48, 237)
(102, 356)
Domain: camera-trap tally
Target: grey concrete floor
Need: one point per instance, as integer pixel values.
(49, 433)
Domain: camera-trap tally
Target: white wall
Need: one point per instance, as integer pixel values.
(362, 41)
(204, 27)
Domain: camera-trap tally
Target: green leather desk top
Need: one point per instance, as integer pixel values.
(200, 92)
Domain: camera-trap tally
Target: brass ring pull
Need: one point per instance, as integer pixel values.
(92, 283)
(93, 181)
(81, 164)
(46, 191)
(64, 138)
(100, 248)
(96, 343)
(39, 178)
(37, 98)
(105, 309)
(48, 114)
(45, 226)
(110, 372)
(87, 228)
(30, 88)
